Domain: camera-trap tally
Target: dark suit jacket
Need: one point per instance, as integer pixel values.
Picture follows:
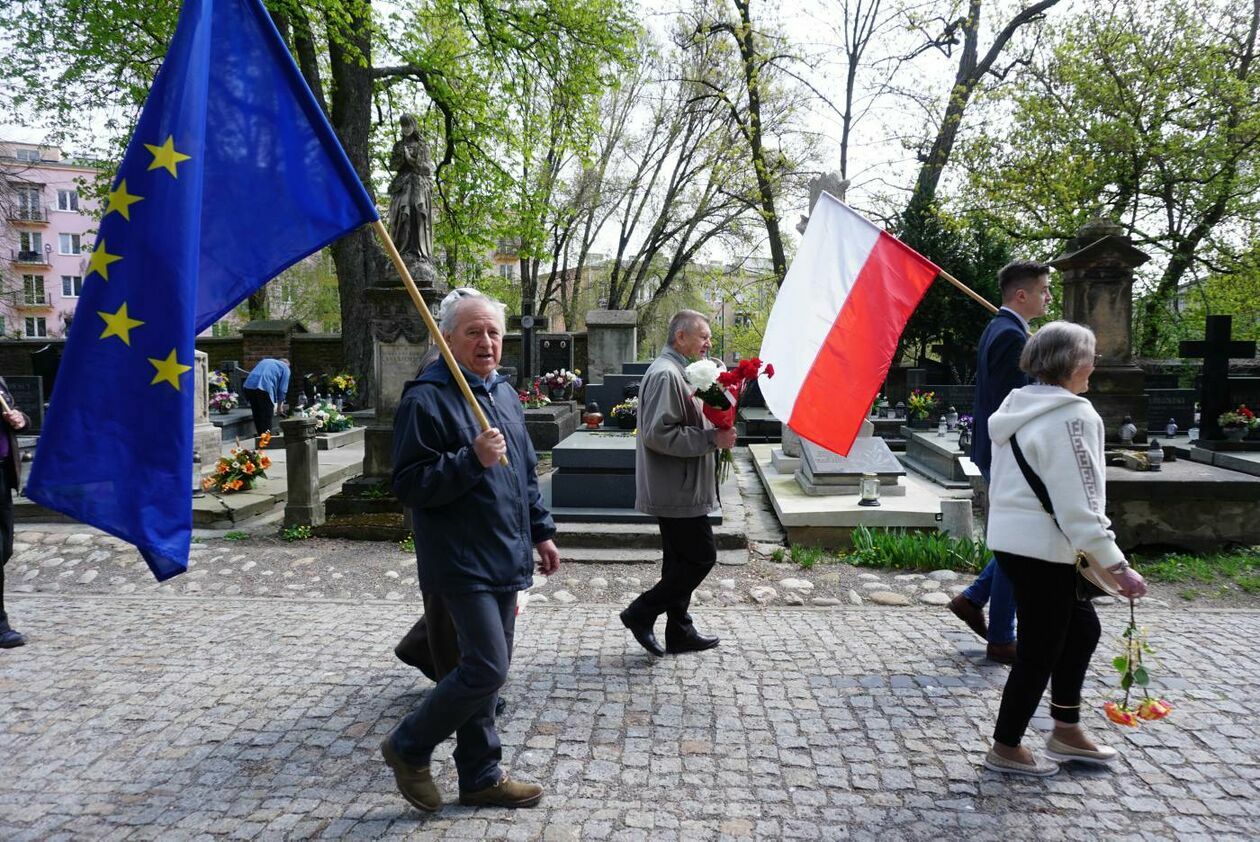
(997, 374)
(11, 468)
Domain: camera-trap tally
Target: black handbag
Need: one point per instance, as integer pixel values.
(1094, 579)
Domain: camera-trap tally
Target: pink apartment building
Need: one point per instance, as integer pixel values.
(46, 234)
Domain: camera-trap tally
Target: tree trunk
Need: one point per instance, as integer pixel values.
(356, 256)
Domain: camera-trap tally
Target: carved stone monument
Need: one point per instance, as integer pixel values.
(830, 182)
(824, 473)
(1097, 268)
(207, 439)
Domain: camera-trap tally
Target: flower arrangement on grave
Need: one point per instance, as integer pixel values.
(343, 384)
(920, 404)
(1241, 418)
(223, 401)
(1134, 672)
(533, 398)
(719, 393)
(218, 381)
(629, 408)
(240, 469)
(328, 418)
(562, 378)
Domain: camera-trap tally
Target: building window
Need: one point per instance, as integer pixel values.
(33, 289)
(29, 155)
(70, 244)
(71, 286)
(28, 198)
(507, 270)
(36, 327)
(68, 200)
(31, 244)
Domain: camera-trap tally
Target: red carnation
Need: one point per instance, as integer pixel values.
(770, 370)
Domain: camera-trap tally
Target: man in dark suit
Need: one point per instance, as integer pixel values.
(11, 420)
(1025, 296)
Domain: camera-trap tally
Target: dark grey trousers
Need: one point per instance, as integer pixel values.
(462, 703)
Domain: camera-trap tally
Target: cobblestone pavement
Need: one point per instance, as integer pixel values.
(165, 716)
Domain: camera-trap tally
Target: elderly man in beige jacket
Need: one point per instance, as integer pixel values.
(676, 481)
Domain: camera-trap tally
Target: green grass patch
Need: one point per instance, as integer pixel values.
(236, 536)
(807, 557)
(916, 550)
(1189, 594)
(779, 555)
(1238, 567)
(408, 544)
(295, 533)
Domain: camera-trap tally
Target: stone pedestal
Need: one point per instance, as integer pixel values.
(301, 454)
(549, 425)
(938, 458)
(207, 439)
(1097, 269)
(612, 337)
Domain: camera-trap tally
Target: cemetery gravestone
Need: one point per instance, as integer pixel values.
(825, 473)
(1216, 349)
(555, 351)
(28, 396)
(1162, 404)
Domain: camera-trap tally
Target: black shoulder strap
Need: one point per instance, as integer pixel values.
(1038, 487)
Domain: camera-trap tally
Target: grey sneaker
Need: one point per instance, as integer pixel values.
(1037, 769)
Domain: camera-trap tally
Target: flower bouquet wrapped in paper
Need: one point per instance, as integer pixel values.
(719, 391)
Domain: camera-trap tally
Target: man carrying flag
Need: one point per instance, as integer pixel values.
(232, 175)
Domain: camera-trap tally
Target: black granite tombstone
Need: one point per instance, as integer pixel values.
(28, 396)
(555, 351)
(44, 363)
(1162, 404)
(1216, 349)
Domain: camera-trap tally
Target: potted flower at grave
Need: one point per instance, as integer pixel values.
(343, 387)
(561, 383)
(919, 407)
(328, 419)
(966, 424)
(1236, 423)
(533, 398)
(626, 414)
(217, 381)
(240, 469)
(223, 401)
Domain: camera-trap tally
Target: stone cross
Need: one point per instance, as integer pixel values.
(1216, 350)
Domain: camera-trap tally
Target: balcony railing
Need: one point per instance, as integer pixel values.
(33, 258)
(28, 214)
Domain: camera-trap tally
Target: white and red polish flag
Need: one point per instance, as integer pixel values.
(835, 324)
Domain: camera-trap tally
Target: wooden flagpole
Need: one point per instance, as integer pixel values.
(432, 327)
(984, 302)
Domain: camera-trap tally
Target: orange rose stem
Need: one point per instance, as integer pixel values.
(432, 327)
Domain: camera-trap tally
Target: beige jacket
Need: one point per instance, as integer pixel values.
(674, 462)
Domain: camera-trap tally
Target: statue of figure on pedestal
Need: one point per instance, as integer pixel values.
(410, 193)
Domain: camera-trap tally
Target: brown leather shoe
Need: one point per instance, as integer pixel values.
(414, 782)
(971, 614)
(1003, 653)
(506, 793)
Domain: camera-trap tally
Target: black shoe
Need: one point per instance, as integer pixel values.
(643, 634)
(500, 706)
(10, 639)
(694, 642)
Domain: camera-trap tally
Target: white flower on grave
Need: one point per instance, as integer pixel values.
(701, 374)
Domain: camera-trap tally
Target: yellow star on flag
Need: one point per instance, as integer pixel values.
(118, 324)
(166, 156)
(120, 200)
(169, 370)
(100, 260)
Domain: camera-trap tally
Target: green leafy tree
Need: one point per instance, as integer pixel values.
(1148, 114)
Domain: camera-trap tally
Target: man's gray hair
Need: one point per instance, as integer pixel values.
(457, 299)
(1057, 350)
(685, 320)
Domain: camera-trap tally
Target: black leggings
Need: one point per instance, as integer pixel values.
(263, 409)
(1056, 637)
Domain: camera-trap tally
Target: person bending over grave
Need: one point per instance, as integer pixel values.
(1025, 290)
(1048, 500)
(10, 473)
(477, 524)
(265, 389)
(676, 481)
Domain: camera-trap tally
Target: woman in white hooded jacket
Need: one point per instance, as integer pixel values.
(1060, 437)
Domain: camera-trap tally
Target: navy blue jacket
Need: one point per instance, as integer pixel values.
(997, 374)
(475, 527)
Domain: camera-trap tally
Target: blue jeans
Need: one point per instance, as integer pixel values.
(993, 586)
(462, 703)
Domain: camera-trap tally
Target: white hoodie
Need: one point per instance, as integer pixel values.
(1061, 437)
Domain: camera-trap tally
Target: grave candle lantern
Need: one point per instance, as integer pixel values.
(870, 490)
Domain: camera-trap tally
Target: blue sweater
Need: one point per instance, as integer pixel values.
(270, 376)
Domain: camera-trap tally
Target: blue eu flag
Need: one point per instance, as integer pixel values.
(232, 175)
